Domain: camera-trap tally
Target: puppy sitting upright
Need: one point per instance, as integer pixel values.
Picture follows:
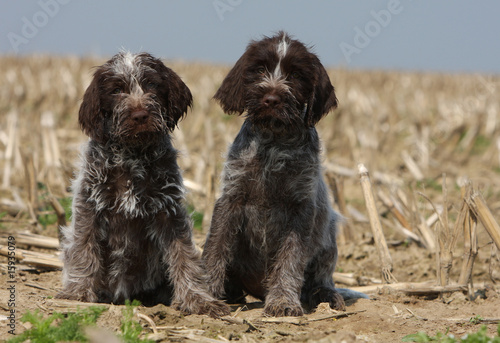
(130, 236)
(273, 231)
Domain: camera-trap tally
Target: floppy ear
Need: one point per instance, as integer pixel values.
(179, 96)
(231, 94)
(90, 118)
(323, 98)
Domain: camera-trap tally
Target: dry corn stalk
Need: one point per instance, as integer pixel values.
(427, 235)
(494, 266)
(445, 256)
(395, 210)
(478, 206)
(412, 166)
(51, 171)
(211, 173)
(378, 235)
(37, 259)
(60, 212)
(470, 236)
(345, 279)
(12, 132)
(30, 175)
(345, 234)
(31, 239)
(445, 237)
(428, 238)
(210, 198)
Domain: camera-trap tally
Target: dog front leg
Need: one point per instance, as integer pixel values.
(82, 271)
(217, 253)
(286, 277)
(188, 279)
(318, 284)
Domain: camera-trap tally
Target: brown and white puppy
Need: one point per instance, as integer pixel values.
(273, 232)
(130, 236)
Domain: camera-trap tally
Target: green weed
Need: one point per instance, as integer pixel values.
(196, 216)
(131, 329)
(481, 336)
(476, 320)
(66, 204)
(47, 214)
(2, 214)
(58, 327)
(481, 143)
(429, 183)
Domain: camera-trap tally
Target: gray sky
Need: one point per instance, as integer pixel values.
(444, 36)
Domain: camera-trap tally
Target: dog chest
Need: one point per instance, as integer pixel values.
(132, 188)
(261, 173)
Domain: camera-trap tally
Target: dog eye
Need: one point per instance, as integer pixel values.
(116, 91)
(151, 85)
(260, 70)
(295, 75)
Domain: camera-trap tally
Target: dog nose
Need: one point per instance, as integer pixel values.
(139, 116)
(271, 100)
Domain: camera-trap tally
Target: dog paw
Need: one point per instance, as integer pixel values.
(216, 309)
(337, 302)
(198, 305)
(283, 309)
(83, 295)
(329, 295)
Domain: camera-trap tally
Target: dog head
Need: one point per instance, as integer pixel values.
(133, 99)
(278, 78)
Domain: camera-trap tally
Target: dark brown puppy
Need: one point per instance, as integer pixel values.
(130, 236)
(273, 229)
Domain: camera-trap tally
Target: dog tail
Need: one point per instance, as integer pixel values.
(349, 294)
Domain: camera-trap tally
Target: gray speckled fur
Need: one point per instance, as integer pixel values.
(273, 231)
(130, 236)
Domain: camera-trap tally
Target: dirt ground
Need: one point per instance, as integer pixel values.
(387, 316)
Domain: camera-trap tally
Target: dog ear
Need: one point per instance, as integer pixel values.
(179, 96)
(90, 118)
(323, 98)
(231, 93)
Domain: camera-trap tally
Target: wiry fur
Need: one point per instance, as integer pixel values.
(130, 236)
(273, 232)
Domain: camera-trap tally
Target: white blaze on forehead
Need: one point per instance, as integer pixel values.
(128, 65)
(129, 60)
(281, 49)
(125, 64)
